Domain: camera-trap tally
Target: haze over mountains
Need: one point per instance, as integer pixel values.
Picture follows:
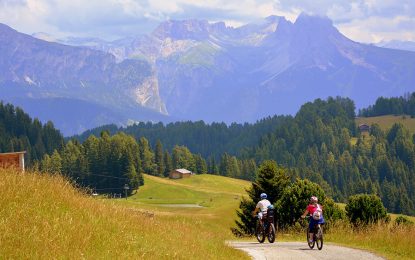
(193, 70)
(399, 45)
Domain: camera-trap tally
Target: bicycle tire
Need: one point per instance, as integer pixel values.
(319, 238)
(260, 233)
(272, 234)
(310, 244)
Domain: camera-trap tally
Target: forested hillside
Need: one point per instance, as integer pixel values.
(391, 106)
(107, 163)
(18, 132)
(316, 144)
(208, 140)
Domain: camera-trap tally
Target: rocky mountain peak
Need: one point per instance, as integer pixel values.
(186, 29)
(314, 24)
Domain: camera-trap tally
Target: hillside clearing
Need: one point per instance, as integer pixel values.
(386, 122)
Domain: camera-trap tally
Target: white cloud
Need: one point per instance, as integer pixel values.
(362, 20)
(375, 29)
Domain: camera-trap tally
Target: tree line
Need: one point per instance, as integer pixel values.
(18, 132)
(208, 140)
(107, 163)
(391, 106)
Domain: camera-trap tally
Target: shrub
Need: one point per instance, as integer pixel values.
(365, 209)
(295, 199)
(332, 212)
(401, 220)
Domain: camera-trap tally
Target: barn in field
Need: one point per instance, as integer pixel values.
(180, 173)
(15, 159)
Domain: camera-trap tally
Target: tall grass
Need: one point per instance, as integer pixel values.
(44, 217)
(387, 240)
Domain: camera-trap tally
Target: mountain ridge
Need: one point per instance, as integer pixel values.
(197, 70)
(36, 69)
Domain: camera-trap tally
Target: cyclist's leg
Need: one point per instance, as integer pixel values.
(311, 229)
(260, 215)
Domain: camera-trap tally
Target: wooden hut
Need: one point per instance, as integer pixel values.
(15, 159)
(179, 174)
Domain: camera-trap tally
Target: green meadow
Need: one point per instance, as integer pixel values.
(386, 122)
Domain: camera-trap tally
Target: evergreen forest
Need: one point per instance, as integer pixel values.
(391, 106)
(18, 132)
(320, 143)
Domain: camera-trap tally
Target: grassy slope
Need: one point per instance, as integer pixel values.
(44, 217)
(386, 122)
(218, 195)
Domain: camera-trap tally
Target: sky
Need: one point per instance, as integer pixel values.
(368, 21)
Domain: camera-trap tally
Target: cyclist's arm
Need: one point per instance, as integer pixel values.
(304, 214)
(255, 211)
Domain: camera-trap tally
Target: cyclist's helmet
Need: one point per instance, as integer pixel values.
(263, 195)
(313, 199)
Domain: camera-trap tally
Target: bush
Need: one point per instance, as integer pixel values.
(295, 199)
(401, 220)
(332, 212)
(366, 209)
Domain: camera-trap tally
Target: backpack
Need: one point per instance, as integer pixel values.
(318, 213)
(270, 214)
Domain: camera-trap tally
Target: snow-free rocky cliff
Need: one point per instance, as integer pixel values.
(194, 69)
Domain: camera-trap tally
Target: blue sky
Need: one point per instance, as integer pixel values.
(364, 20)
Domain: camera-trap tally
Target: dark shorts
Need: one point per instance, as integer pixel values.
(314, 222)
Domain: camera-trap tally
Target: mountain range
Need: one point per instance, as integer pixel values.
(197, 70)
(399, 45)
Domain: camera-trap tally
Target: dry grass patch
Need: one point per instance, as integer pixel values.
(387, 240)
(44, 217)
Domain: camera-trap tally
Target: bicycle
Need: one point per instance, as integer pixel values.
(267, 229)
(317, 235)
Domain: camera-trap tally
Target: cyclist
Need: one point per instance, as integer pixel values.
(315, 211)
(262, 207)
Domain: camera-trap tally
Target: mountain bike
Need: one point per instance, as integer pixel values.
(267, 229)
(317, 236)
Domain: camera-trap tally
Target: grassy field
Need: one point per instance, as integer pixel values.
(209, 198)
(386, 122)
(44, 217)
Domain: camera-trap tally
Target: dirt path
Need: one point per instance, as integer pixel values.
(299, 250)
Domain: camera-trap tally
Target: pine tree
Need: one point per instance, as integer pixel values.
(272, 180)
(159, 160)
(168, 163)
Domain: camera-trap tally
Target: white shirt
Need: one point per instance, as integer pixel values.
(263, 205)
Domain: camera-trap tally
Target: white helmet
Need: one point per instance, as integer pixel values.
(313, 199)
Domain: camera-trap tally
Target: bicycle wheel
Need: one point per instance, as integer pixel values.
(260, 233)
(310, 244)
(319, 238)
(271, 233)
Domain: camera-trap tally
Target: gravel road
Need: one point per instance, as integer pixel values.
(300, 250)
